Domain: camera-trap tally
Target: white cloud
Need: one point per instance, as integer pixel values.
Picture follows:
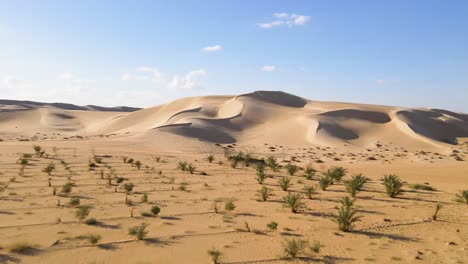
(213, 48)
(189, 81)
(290, 20)
(269, 68)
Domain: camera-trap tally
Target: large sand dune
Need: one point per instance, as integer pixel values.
(262, 116)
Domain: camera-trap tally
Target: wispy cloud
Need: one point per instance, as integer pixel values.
(269, 68)
(188, 81)
(286, 19)
(213, 48)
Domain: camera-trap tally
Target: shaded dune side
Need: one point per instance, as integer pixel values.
(278, 98)
(437, 125)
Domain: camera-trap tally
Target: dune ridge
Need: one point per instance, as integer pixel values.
(253, 118)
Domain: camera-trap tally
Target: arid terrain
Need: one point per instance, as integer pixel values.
(74, 180)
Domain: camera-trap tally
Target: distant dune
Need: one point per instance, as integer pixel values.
(254, 118)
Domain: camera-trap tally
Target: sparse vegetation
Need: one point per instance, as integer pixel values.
(272, 163)
(437, 209)
(292, 248)
(462, 197)
(294, 202)
(291, 168)
(137, 164)
(264, 193)
(155, 210)
(82, 212)
(309, 172)
(144, 198)
(49, 168)
(93, 238)
(425, 187)
(74, 201)
(191, 168)
(128, 187)
(335, 174)
(261, 175)
(229, 205)
(91, 221)
(355, 184)
(210, 158)
(310, 191)
(139, 232)
(324, 182)
(182, 165)
(21, 247)
(215, 255)
(284, 183)
(346, 216)
(67, 188)
(392, 185)
(272, 225)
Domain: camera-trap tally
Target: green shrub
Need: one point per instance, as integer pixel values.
(324, 182)
(294, 202)
(309, 172)
(355, 184)
(310, 191)
(335, 174)
(138, 164)
(128, 187)
(91, 221)
(291, 168)
(462, 197)
(67, 188)
(284, 183)
(272, 225)
(139, 232)
(144, 198)
(93, 239)
(155, 210)
(261, 175)
(315, 247)
(345, 218)
(74, 201)
(264, 193)
(191, 168)
(229, 205)
(82, 212)
(49, 168)
(182, 165)
(272, 163)
(21, 247)
(294, 247)
(392, 185)
(210, 158)
(215, 255)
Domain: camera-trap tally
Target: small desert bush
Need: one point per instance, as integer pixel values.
(392, 184)
(93, 238)
(144, 198)
(49, 168)
(345, 217)
(335, 174)
(294, 247)
(91, 221)
(261, 175)
(155, 210)
(67, 188)
(315, 247)
(272, 163)
(462, 197)
(355, 184)
(130, 161)
(191, 168)
(309, 172)
(146, 214)
(215, 255)
(272, 225)
(229, 205)
(210, 158)
(139, 232)
(138, 164)
(128, 187)
(82, 212)
(74, 201)
(20, 247)
(291, 168)
(310, 191)
(294, 202)
(418, 186)
(324, 182)
(284, 183)
(182, 165)
(264, 193)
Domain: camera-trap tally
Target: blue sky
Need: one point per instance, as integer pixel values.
(143, 53)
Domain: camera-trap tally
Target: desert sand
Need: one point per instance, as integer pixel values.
(92, 146)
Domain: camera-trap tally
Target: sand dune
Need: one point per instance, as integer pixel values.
(245, 119)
